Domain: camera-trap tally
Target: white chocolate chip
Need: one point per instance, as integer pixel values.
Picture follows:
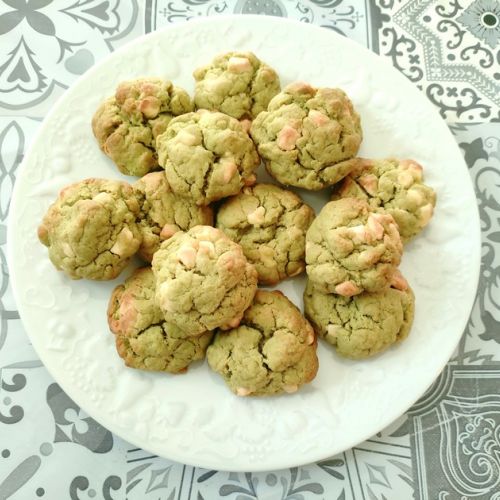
(229, 168)
(299, 87)
(187, 255)
(415, 168)
(168, 230)
(250, 180)
(405, 179)
(68, 251)
(233, 323)
(238, 64)
(357, 234)
(185, 137)
(318, 118)
(415, 196)
(243, 391)
(246, 124)
(103, 198)
(123, 242)
(257, 216)
(207, 248)
(369, 182)
(374, 227)
(347, 289)
(398, 281)
(290, 388)
(287, 137)
(425, 214)
(333, 330)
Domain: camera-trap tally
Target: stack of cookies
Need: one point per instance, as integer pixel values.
(212, 234)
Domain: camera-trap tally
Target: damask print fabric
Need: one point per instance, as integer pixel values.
(446, 447)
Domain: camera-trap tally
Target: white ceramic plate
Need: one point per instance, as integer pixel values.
(193, 418)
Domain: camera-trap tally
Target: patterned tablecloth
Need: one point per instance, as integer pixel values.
(446, 447)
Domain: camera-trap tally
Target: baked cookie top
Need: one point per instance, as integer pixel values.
(163, 213)
(394, 185)
(272, 351)
(305, 133)
(236, 83)
(203, 279)
(270, 224)
(207, 156)
(363, 325)
(143, 338)
(127, 124)
(350, 249)
(91, 229)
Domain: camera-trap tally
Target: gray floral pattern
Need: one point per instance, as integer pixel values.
(447, 49)
(44, 46)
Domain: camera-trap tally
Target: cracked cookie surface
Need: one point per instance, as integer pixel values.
(270, 224)
(91, 229)
(127, 124)
(305, 133)
(272, 351)
(236, 83)
(363, 325)
(350, 249)
(203, 279)
(207, 156)
(163, 213)
(143, 338)
(395, 186)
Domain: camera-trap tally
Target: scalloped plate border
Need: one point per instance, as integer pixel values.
(193, 418)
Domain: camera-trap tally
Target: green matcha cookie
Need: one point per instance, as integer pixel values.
(270, 224)
(350, 249)
(163, 213)
(207, 156)
(127, 124)
(91, 229)
(203, 280)
(363, 325)
(305, 133)
(143, 339)
(395, 186)
(272, 351)
(236, 83)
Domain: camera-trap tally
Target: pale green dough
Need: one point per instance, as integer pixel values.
(143, 338)
(163, 213)
(207, 156)
(272, 351)
(305, 134)
(270, 224)
(350, 249)
(91, 229)
(363, 325)
(127, 124)
(203, 280)
(395, 186)
(236, 83)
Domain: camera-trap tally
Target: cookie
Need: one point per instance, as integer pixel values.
(363, 325)
(203, 280)
(207, 156)
(272, 351)
(270, 224)
(163, 213)
(91, 229)
(305, 133)
(127, 124)
(143, 338)
(350, 249)
(237, 84)
(395, 186)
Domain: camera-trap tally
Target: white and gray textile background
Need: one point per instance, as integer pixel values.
(446, 447)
